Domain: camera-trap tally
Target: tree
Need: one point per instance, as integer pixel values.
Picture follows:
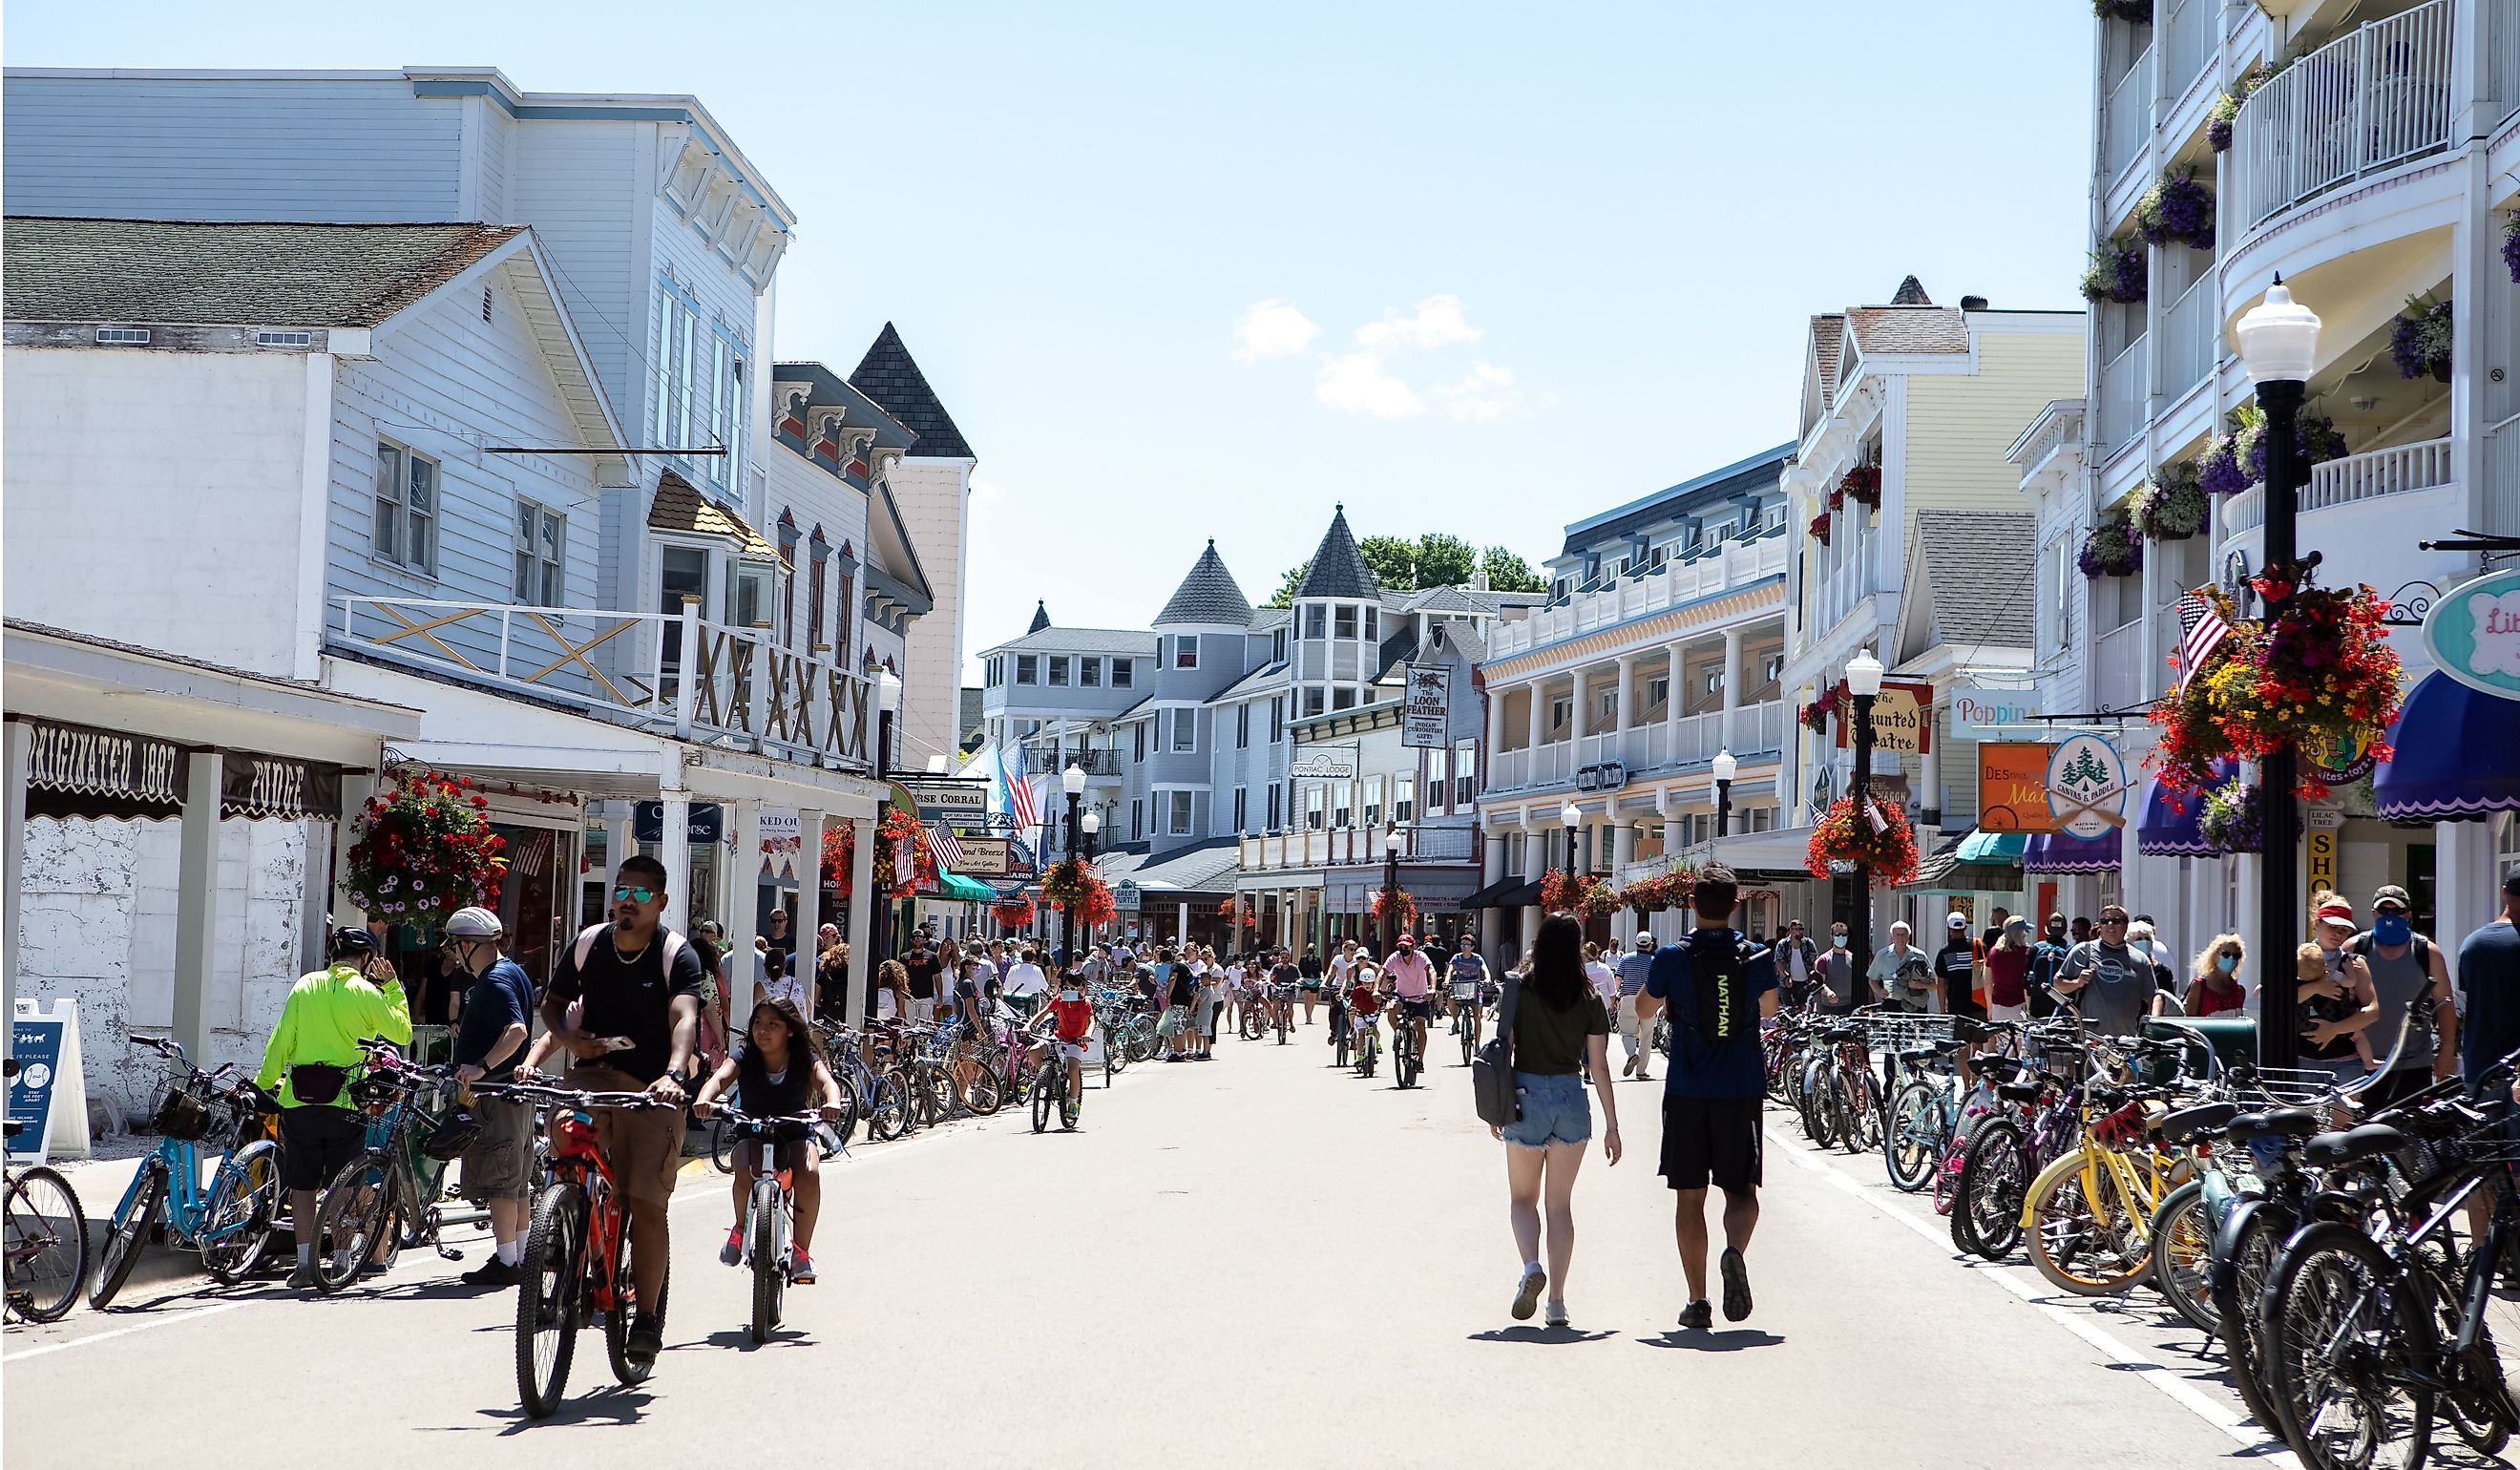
(1508, 572)
(1434, 559)
(1393, 560)
(1286, 585)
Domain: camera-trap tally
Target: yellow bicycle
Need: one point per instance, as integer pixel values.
(2088, 1217)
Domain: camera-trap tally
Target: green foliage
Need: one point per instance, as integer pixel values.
(1508, 572)
(1434, 559)
(1285, 597)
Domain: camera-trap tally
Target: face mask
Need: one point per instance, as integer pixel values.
(2392, 929)
(2226, 963)
(1067, 994)
(1836, 941)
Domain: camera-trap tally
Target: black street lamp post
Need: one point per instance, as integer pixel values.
(1863, 685)
(1390, 892)
(1724, 768)
(2278, 342)
(887, 703)
(1072, 781)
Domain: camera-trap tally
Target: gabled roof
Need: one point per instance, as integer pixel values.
(1910, 292)
(888, 375)
(1337, 568)
(1053, 639)
(1966, 570)
(1910, 323)
(1827, 335)
(241, 274)
(1209, 595)
(679, 507)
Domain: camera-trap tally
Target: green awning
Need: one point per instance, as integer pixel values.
(1994, 847)
(954, 888)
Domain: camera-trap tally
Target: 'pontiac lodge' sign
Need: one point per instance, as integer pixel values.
(84, 762)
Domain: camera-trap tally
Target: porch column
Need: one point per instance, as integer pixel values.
(618, 843)
(1732, 683)
(1534, 730)
(13, 867)
(1627, 716)
(1675, 699)
(1495, 727)
(862, 902)
(196, 901)
(1623, 844)
(674, 850)
(739, 917)
(328, 899)
(1577, 718)
(1535, 864)
(2466, 889)
(805, 919)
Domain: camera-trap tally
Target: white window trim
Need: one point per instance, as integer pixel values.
(549, 573)
(401, 560)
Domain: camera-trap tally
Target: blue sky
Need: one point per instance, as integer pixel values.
(1513, 265)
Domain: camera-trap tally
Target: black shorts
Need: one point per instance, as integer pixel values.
(317, 1142)
(1422, 1008)
(1715, 1138)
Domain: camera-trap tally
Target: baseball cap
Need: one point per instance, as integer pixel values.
(1644, 940)
(475, 924)
(1406, 942)
(2511, 881)
(2391, 893)
(1957, 922)
(2017, 922)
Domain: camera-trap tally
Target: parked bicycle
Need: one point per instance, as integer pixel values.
(392, 1196)
(45, 1252)
(230, 1221)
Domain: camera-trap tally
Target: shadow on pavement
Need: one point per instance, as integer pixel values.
(741, 1338)
(1731, 1341)
(1538, 1335)
(610, 1405)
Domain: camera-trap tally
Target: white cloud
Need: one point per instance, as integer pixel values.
(1355, 383)
(1438, 322)
(1488, 392)
(1272, 329)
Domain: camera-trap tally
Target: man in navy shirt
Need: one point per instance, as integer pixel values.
(1719, 988)
(2489, 981)
(489, 1043)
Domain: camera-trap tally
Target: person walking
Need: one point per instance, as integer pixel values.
(1717, 992)
(2488, 976)
(2046, 964)
(2110, 980)
(1842, 983)
(1798, 963)
(2008, 971)
(312, 1055)
(2214, 985)
(1635, 1023)
(490, 1042)
(2419, 1023)
(1903, 972)
(1955, 971)
(1561, 1036)
(2337, 1000)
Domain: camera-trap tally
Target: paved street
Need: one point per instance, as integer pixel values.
(1245, 1262)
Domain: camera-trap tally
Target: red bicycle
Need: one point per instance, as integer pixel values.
(577, 1251)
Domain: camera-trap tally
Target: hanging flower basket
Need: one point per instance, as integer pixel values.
(2511, 245)
(841, 850)
(1663, 891)
(1395, 907)
(1227, 909)
(2116, 274)
(2171, 505)
(1563, 892)
(2225, 112)
(2420, 339)
(2177, 208)
(2234, 819)
(1845, 834)
(1814, 716)
(425, 851)
(1013, 914)
(1068, 882)
(1820, 528)
(2319, 677)
(2236, 459)
(1861, 483)
(2112, 549)
(2138, 12)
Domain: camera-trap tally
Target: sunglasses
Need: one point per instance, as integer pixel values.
(2112, 923)
(634, 895)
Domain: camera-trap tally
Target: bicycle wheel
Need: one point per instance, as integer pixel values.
(721, 1147)
(627, 1308)
(46, 1245)
(1986, 1214)
(1142, 1038)
(1254, 1026)
(2244, 1257)
(244, 1201)
(938, 1096)
(1072, 1100)
(887, 1110)
(352, 1221)
(2341, 1324)
(2474, 1396)
(985, 1095)
(1913, 1144)
(769, 1260)
(2090, 1247)
(1041, 1099)
(129, 1232)
(546, 1301)
(1470, 1043)
(2182, 1246)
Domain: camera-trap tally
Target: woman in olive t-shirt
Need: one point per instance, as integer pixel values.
(1561, 1034)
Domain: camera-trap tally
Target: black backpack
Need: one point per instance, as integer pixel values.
(1726, 1005)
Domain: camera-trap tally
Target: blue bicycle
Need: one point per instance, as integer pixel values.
(230, 1221)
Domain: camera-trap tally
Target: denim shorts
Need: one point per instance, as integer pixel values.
(1554, 1111)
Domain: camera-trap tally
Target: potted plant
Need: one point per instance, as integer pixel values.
(1395, 905)
(2420, 339)
(1861, 483)
(1879, 840)
(1820, 528)
(2116, 274)
(2177, 208)
(2236, 459)
(2138, 12)
(2112, 549)
(2511, 245)
(2234, 817)
(2227, 108)
(1017, 912)
(895, 827)
(424, 851)
(2169, 507)
(2318, 676)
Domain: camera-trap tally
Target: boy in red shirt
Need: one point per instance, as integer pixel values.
(1072, 1016)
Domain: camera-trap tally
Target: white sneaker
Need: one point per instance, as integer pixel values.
(1526, 1296)
(1556, 1316)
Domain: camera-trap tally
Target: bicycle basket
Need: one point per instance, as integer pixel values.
(182, 1115)
(459, 1131)
(372, 1090)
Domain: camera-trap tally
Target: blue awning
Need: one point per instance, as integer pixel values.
(2458, 755)
(2169, 826)
(2055, 852)
(1994, 847)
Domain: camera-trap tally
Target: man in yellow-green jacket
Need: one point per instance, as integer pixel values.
(313, 1054)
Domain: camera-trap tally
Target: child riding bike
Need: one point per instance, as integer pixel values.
(1364, 1007)
(778, 1065)
(1071, 1019)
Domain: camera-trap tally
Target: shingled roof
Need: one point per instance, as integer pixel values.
(241, 274)
(678, 507)
(888, 375)
(1338, 568)
(1209, 595)
(1976, 561)
(1040, 615)
(1828, 334)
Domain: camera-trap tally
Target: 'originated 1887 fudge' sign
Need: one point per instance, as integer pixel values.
(99, 763)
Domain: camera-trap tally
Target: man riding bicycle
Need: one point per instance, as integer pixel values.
(314, 1051)
(1465, 982)
(1407, 977)
(641, 986)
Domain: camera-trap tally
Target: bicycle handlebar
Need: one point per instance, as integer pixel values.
(524, 1092)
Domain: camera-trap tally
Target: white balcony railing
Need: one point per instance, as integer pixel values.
(2502, 479)
(2377, 472)
(2503, 61)
(2129, 119)
(2245, 512)
(2188, 44)
(1756, 729)
(2187, 338)
(2361, 103)
(2120, 668)
(1732, 564)
(630, 668)
(1355, 846)
(2122, 397)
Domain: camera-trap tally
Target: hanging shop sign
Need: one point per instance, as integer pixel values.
(1324, 763)
(2345, 761)
(83, 762)
(266, 785)
(985, 858)
(951, 801)
(1427, 711)
(2086, 786)
(1902, 720)
(2473, 634)
(1609, 776)
(1128, 898)
(703, 826)
(1983, 714)
(2321, 846)
(2012, 786)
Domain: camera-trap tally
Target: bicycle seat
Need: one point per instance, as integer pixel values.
(1946, 1048)
(2190, 1124)
(2277, 1123)
(1918, 1057)
(2019, 1091)
(2369, 1140)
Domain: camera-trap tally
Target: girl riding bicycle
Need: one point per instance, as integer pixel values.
(778, 1064)
(1363, 1004)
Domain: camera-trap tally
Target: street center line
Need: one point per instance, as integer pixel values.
(2150, 1370)
(147, 1326)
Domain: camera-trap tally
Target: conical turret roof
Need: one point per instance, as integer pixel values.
(1209, 595)
(1040, 616)
(1338, 569)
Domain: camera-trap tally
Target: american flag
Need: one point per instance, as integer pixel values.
(1022, 805)
(944, 847)
(2201, 630)
(1873, 814)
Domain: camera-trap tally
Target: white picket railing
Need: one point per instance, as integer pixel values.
(1751, 730)
(2376, 472)
(668, 672)
(2187, 43)
(2503, 61)
(2502, 479)
(2361, 103)
(2187, 338)
(2128, 120)
(2123, 397)
(1734, 563)
(2120, 668)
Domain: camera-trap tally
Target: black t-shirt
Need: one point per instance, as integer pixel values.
(1550, 1041)
(1311, 966)
(924, 970)
(764, 1097)
(503, 996)
(632, 997)
(1185, 985)
(1286, 974)
(1956, 964)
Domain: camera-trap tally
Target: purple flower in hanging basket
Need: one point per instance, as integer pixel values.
(2233, 819)
(2177, 208)
(2221, 472)
(2511, 247)
(2218, 134)
(2420, 338)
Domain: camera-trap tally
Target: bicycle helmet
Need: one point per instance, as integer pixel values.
(457, 1131)
(350, 941)
(474, 922)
